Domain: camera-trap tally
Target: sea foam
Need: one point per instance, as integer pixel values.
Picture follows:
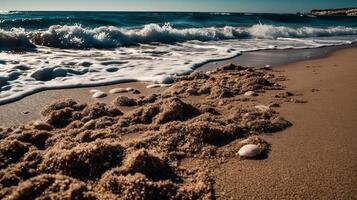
(78, 37)
(75, 56)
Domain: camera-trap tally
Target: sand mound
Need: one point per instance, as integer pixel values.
(62, 113)
(85, 161)
(11, 151)
(94, 151)
(167, 110)
(49, 187)
(124, 101)
(224, 82)
(149, 164)
(174, 109)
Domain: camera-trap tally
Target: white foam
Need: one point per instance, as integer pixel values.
(49, 68)
(112, 37)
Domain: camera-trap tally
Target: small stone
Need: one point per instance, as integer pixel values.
(117, 90)
(94, 91)
(249, 151)
(129, 89)
(99, 94)
(40, 125)
(26, 112)
(250, 93)
(89, 125)
(262, 108)
(158, 85)
(153, 86)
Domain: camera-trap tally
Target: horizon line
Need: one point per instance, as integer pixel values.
(162, 11)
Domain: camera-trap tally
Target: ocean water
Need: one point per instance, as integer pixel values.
(47, 50)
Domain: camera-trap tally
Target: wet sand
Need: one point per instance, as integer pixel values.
(313, 159)
(316, 158)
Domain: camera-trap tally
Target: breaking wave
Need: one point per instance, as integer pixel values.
(79, 37)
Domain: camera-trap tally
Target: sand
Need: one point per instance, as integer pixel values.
(316, 158)
(184, 142)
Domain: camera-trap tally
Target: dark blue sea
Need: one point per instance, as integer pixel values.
(42, 50)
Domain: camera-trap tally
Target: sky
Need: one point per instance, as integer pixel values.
(265, 6)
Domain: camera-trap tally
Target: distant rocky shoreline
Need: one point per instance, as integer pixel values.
(335, 12)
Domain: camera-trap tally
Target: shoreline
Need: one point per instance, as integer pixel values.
(255, 58)
(274, 58)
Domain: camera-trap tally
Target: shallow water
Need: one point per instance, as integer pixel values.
(42, 50)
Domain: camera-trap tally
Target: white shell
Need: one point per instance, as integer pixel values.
(249, 151)
(250, 93)
(117, 90)
(40, 125)
(153, 86)
(262, 108)
(99, 94)
(129, 89)
(158, 85)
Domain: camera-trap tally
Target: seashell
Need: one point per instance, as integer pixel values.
(250, 93)
(129, 89)
(262, 108)
(117, 90)
(153, 86)
(99, 94)
(40, 125)
(249, 151)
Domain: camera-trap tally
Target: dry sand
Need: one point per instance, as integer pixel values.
(192, 133)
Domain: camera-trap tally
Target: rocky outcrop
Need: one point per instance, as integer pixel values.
(335, 12)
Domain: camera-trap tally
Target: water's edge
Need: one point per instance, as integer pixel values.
(276, 57)
(260, 58)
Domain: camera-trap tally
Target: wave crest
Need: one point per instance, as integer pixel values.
(14, 39)
(112, 37)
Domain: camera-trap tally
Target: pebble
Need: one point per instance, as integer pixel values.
(262, 108)
(250, 93)
(117, 90)
(153, 86)
(158, 85)
(40, 125)
(94, 91)
(99, 94)
(129, 89)
(249, 151)
(89, 125)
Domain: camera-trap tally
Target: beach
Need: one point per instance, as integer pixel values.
(315, 158)
(185, 139)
